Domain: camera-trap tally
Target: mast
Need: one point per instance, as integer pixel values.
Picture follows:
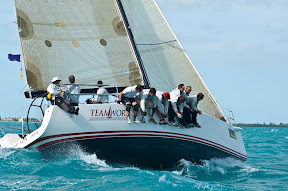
(131, 38)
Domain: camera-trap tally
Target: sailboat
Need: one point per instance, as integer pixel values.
(122, 43)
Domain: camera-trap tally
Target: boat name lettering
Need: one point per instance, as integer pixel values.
(107, 113)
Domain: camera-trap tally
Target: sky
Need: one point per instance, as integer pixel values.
(240, 49)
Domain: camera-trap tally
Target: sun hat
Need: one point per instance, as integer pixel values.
(55, 79)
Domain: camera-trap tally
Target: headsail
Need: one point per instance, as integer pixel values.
(165, 60)
(85, 38)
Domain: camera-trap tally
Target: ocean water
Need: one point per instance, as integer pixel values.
(265, 169)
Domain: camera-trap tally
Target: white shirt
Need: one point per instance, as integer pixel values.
(174, 95)
(73, 89)
(130, 92)
(101, 98)
(192, 100)
(55, 89)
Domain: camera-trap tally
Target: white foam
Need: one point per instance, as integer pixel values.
(185, 169)
(223, 165)
(75, 150)
(4, 153)
(180, 172)
(163, 179)
(249, 169)
(92, 159)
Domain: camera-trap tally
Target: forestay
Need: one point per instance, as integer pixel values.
(164, 59)
(85, 38)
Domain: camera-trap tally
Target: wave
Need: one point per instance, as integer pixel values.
(4, 152)
(213, 168)
(274, 130)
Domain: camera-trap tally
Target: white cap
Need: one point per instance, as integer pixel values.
(55, 79)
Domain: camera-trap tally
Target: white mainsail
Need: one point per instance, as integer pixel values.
(166, 62)
(88, 39)
(85, 38)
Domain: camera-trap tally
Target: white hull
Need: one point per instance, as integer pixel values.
(107, 122)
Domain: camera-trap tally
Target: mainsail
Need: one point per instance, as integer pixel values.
(88, 38)
(85, 38)
(165, 60)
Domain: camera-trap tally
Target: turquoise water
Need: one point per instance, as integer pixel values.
(265, 169)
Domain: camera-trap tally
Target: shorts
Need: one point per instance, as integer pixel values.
(124, 100)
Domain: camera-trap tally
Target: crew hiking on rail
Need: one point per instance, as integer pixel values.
(179, 106)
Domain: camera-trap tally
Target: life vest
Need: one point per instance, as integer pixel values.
(49, 96)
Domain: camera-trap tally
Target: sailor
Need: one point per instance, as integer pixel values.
(148, 104)
(127, 97)
(59, 97)
(74, 91)
(101, 98)
(176, 110)
(176, 105)
(55, 88)
(193, 101)
(187, 108)
(162, 105)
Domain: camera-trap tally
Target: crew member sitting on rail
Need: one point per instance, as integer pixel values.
(127, 97)
(59, 97)
(175, 102)
(187, 108)
(74, 91)
(176, 110)
(148, 104)
(194, 100)
(101, 98)
(162, 105)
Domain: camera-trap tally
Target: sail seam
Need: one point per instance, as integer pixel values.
(154, 56)
(215, 103)
(159, 43)
(131, 38)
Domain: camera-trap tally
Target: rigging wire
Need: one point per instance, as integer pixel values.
(20, 110)
(22, 89)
